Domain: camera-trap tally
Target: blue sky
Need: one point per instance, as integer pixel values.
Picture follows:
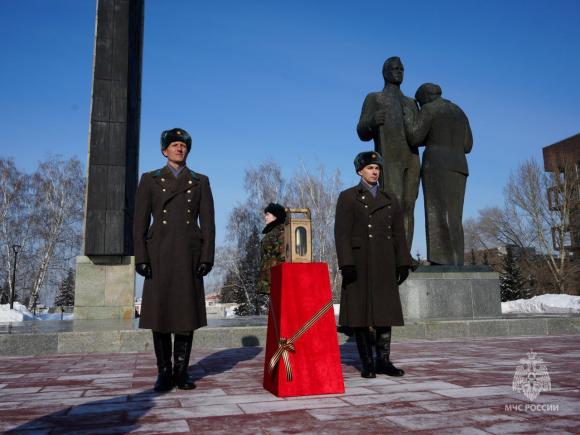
(257, 80)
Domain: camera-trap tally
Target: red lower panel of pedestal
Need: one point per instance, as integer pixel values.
(298, 291)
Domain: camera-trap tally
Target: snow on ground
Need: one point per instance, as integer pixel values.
(55, 316)
(20, 313)
(549, 303)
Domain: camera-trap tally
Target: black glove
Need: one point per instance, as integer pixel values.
(402, 274)
(348, 274)
(203, 269)
(143, 269)
(346, 330)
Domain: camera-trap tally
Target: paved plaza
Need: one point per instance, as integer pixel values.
(451, 386)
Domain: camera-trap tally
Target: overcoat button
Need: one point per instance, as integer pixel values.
(164, 211)
(189, 211)
(388, 237)
(164, 190)
(389, 227)
(187, 222)
(189, 200)
(164, 222)
(366, 206)
(189, 191)
(370, 236)
(163, 179)
(370, 226)
(362, 197)
(190, 182)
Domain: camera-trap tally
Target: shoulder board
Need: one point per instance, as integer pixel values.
(194, 175)
(156, 173)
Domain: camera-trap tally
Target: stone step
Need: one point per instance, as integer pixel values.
(92, 336)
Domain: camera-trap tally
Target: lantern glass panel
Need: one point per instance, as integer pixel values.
(301, 242)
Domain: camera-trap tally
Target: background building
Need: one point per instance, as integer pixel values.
(563, 160)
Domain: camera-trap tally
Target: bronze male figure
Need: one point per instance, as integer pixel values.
(444, 130)
(381, 120)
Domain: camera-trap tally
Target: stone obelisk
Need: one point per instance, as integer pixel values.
(105, 280)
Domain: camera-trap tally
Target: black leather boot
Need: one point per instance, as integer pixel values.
(383, 344)
(162, 346)
(365, 352)
(181, 354)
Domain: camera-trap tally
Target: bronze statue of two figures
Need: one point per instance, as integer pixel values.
(398, 125)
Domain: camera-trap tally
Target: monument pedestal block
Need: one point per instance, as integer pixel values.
(302, 344)
(105, 288)
(451, 292)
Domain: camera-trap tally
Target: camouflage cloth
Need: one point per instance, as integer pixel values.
(272, 253)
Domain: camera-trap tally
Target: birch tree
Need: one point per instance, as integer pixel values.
(42, 213)
(548, 203)
(318, 191)
(58, 210)
(263, 184)
(15, 199)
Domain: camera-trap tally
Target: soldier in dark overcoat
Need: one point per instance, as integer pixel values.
(374, 260)
(174, 253)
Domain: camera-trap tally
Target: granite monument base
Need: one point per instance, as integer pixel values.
(105, 288)
(87, 336)
(451, 292)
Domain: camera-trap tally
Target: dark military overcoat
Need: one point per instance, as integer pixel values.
(181, 237)
(369, 234)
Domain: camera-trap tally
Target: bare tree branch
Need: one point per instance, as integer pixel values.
(538, 211)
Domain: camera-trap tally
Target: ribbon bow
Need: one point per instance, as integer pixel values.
(287, 345)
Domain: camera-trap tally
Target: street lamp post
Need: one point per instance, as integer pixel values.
(15, 249)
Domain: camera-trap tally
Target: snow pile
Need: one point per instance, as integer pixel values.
(549, 303)
(21, 313)
(18, 314)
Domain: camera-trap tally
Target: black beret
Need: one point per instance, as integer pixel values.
(367, 158)
(175, 135)
(277, 210)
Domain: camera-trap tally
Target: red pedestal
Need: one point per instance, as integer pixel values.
(298, 292)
